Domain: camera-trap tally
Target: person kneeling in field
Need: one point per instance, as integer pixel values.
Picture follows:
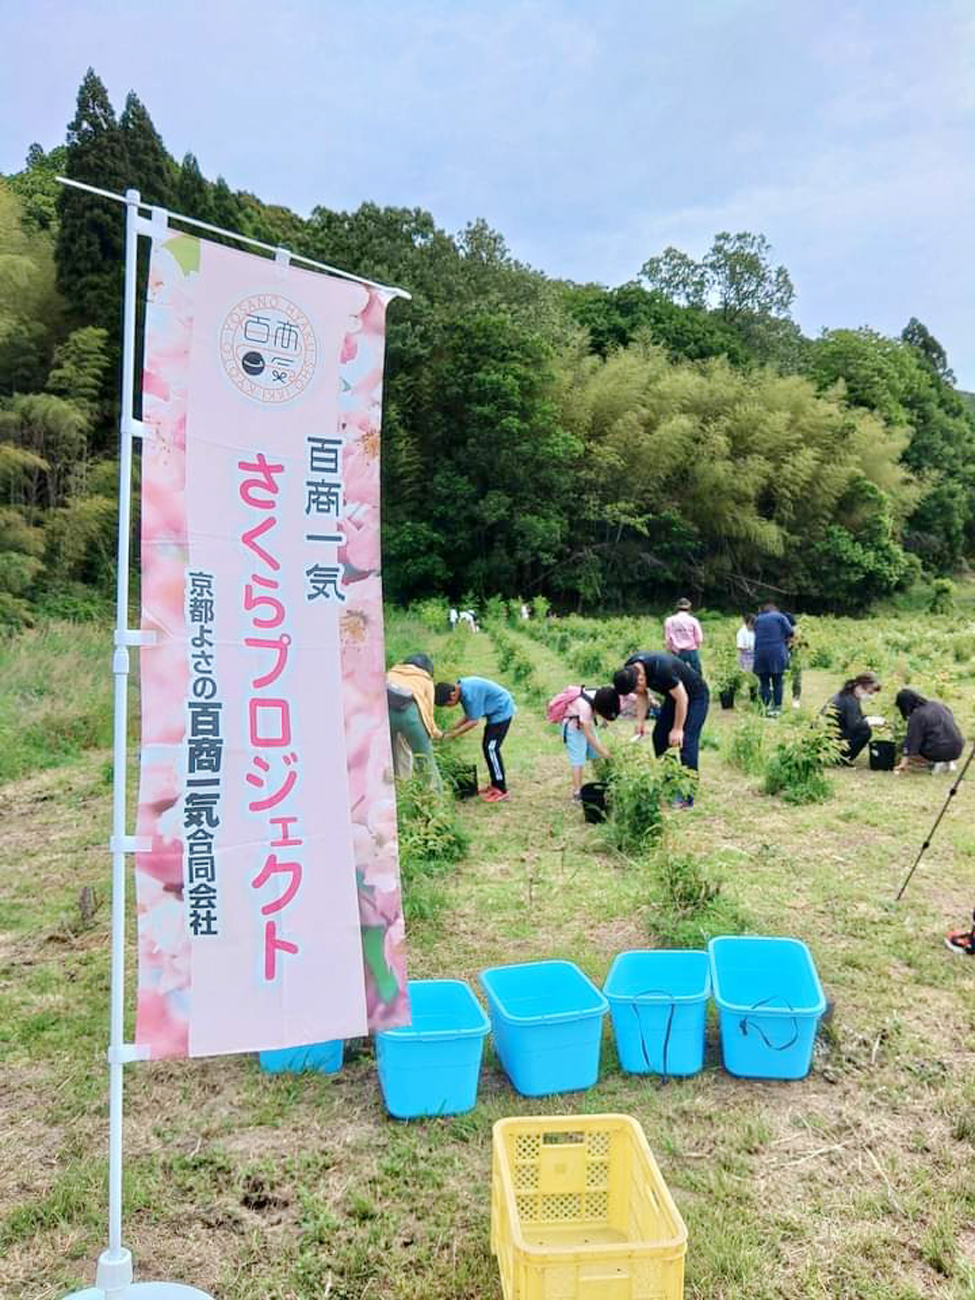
(685, 707)
(846, 707)
(481, 699)
(578, 710)
(933, 740)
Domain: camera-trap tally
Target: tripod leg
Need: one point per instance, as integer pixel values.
(951, 794)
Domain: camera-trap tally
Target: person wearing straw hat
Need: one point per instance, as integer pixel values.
(683, 635)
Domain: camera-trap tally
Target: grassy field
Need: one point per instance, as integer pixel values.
(855, 1182)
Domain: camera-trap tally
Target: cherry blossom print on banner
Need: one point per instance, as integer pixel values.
(269, 907)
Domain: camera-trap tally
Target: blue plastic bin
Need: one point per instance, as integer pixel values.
(326, 1058)
(769, 1001)
(658, 1001)
(431, 1066)
(547, 1019)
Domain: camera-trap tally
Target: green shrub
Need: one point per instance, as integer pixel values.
(796, 769)
(430, 842)
(589, 660)
(429, 832)
(942, 596)
(432, 613)
(639, 786)
(454, 767)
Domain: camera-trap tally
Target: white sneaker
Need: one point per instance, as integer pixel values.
(796, 704)
(938, 768)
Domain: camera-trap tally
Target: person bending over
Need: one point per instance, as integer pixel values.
(933, 737)
(847, 708)
(409, 694)
(686, 699)
(579, 729)
(481, 698)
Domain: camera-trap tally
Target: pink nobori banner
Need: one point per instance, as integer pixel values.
(269, 906)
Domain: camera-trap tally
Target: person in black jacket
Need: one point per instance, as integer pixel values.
(685, 701)
(933, 736)
(847, 708)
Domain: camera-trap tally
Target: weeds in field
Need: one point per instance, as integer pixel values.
(687, 898)
(746, 747)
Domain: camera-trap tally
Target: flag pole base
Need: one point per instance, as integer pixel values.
(143, 1291)
(113, 1281)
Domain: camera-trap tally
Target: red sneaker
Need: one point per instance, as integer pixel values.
(494, 795)
(961, 941)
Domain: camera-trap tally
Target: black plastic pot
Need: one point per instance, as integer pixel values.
(593, 798)
(883, 755)
(727, 699)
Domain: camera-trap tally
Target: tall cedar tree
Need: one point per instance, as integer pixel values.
(150, 169)
(90, 245)
(153, 173)
(192, 191)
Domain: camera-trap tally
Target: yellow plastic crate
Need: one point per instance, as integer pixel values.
(579, 1211)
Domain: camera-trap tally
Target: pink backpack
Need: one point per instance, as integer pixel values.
(558, 705)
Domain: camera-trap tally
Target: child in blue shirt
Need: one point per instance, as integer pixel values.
(481, 698)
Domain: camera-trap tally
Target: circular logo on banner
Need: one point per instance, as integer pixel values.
(268, 348)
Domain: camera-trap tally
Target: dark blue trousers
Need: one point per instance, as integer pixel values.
(697, 711)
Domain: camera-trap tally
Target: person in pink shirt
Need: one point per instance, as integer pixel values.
(683, 635)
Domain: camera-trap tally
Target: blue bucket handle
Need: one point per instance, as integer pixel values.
(773, 1047)
(661, 995)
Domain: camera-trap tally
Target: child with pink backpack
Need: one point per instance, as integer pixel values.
(577, 710)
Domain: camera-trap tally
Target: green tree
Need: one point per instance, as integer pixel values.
(724, 480)
(78, 370)
(54, 431)
(150, 169)
(904, 383)
(615, 317)
(90, 243)
(678, 277)
(30, 310)
(192, 191)
(736, 274)
(920, 338)
(37, 187)
(498, 463)
(740, 272)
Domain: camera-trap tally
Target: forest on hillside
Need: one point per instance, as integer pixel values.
(601, 446)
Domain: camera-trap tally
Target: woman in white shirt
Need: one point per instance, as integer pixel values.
(745, 641)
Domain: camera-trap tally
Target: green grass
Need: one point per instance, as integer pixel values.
(853, 1183)
(56, 700)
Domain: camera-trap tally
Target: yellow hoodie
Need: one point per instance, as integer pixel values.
(409, 677)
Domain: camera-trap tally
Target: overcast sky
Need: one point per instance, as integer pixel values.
(590, 134)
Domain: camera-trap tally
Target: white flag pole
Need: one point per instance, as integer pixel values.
(113, 1280)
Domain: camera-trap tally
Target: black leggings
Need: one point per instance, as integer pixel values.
(494, 734)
